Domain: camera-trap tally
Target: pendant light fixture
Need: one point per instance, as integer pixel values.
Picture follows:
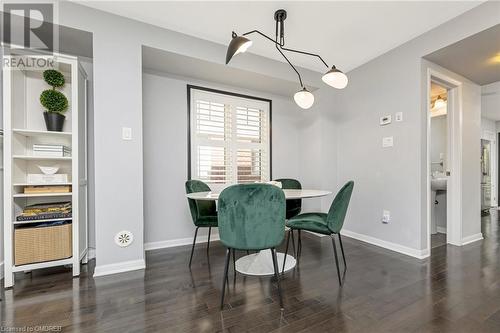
(304, 98)
(439, 103)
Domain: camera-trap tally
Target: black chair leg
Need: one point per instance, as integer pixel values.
(277, 275)
(234, 263)
(286, 250)
(293, 244)
(208, 242)
(224, 278)
(192, 249)
(342, 249)
(299, 244)
(336, 258)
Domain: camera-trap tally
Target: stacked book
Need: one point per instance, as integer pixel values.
(41, 189)
(56, 210)
(51, 150)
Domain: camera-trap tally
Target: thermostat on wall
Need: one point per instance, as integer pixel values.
(385, 120)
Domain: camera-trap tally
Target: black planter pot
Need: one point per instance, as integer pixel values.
(54, 121)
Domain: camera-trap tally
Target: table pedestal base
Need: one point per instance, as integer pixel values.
(261, 263)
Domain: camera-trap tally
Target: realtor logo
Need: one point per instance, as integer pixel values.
(29, 26)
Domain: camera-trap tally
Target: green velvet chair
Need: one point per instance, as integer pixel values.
(203, 212)
(327, 224)
(252, 217)
(293, 206)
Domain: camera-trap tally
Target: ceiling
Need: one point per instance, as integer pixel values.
(476, 57)
(346, 34)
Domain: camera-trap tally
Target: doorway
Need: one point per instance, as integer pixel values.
(444, 203)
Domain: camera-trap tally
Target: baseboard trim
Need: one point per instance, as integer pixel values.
(441, 230)
(179, 242)
(419, 254)
(1, 270)
(120, 267)
(472, 238)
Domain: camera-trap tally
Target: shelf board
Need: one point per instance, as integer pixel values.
(42, 221)
(26, 184)
(40, 158)
(34, 195)
(31, 133)
(29, 267)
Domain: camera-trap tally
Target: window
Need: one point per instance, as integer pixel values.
(230, 137)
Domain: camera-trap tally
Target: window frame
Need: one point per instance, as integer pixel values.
(231, 94)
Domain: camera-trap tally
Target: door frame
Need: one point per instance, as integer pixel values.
(492, 138)
(454, 154)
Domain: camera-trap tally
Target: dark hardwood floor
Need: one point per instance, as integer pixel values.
(455, 290)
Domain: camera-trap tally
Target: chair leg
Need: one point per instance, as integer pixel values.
(336, 258)
(234, 263)
(277, 275)
(192, 249)
(208, 242)
(293, 243)
(299, 246)
(286, 250)
(342, 249)
(224, 278)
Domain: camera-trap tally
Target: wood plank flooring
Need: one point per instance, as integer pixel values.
(455, 290)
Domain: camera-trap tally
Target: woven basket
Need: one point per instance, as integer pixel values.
(33, 245)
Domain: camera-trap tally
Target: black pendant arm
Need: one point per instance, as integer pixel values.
(296, 71)
(306, 53)
(262, 34)
(277, 48)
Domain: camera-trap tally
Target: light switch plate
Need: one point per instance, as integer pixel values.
(386, 216)
(399, 116)
(126, 133)
(387, 142)
(385, 120)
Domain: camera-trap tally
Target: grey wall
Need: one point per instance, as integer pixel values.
(395, 178)
(439, 141)
(118, 103)
(166, 214)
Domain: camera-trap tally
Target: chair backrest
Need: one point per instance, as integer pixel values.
(338, 209)
(294, 206)
(251, 216)
(199, 208)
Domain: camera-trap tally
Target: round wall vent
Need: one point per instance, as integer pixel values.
(124, 238)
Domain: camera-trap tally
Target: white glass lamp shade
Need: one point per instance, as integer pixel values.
(439, 103)
(304, 98)
(335, 78)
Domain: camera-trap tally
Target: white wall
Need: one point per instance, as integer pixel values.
(490, 101)
(166, 213)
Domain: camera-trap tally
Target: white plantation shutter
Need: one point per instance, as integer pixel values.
(230, 139)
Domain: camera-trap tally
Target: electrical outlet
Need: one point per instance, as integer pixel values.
(399, 116)
(386, 216)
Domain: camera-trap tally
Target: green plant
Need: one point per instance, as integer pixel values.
(51, 99)
(53, 78)
(54, 101)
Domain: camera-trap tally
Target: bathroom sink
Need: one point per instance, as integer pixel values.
(438, 184)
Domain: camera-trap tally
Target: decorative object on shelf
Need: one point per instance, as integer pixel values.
(51, 150)
(42, 179)
(42, 189)
(54, 101)
(46, 211)
(304, 98)
(48, 170)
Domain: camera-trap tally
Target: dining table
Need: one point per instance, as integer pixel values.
(261, 263)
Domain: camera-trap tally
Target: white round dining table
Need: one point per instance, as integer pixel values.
(261, 263)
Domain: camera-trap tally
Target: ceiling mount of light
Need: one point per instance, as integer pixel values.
(333, 77)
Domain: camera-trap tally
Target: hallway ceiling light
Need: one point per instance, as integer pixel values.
(439, 103)
(304, 98)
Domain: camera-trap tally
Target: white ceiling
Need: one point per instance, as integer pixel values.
(346, 34)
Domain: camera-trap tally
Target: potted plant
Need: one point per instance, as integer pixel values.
(54, 101)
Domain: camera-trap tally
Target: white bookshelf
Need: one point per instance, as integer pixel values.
(24, 125)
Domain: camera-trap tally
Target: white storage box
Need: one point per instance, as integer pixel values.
(39, 178)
